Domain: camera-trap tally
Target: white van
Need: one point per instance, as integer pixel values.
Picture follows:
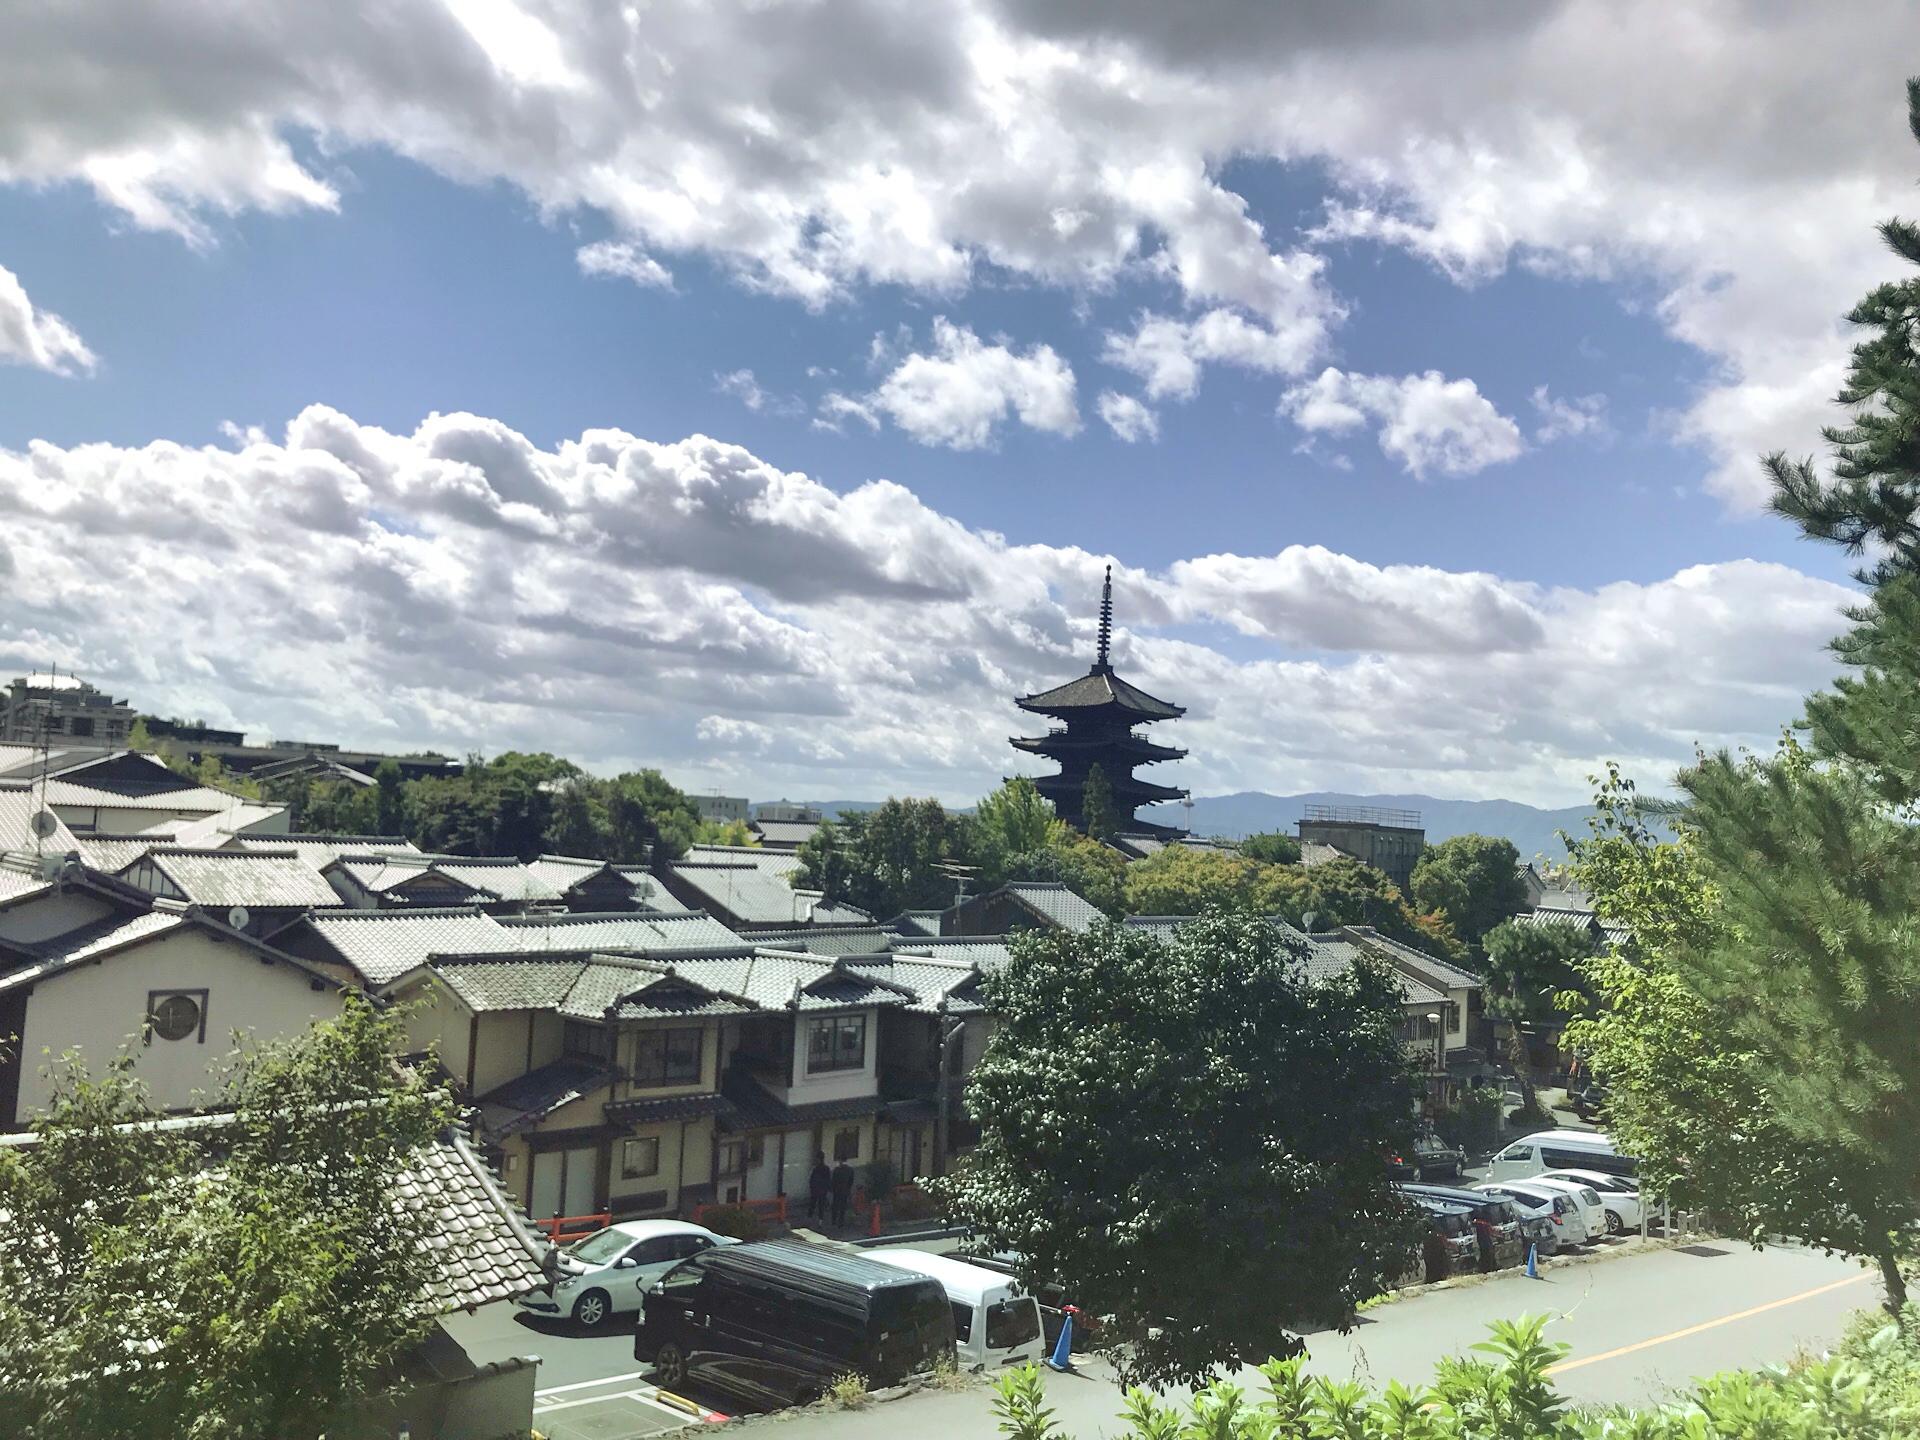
(1559, 1150)
(993, 1323)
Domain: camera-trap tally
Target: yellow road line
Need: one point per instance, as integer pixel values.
(1566, 1365)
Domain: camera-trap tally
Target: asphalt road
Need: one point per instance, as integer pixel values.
(1640, 1327)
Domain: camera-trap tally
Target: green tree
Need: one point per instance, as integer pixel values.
(1346, 892)
(892, 856)
(1272, 848)
(1096, 873)
(1185, 880)
(648, 816)
(1289, 1088)
(825, 864)
(139, 738)
(1473, 880)
(257, 1291)
(1690, 1094)
(578, 824)
(725, 832)
(389, 799)
(1530, 969)
(1015, 819)
(1099, 815)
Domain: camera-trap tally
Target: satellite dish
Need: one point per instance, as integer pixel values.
(237, 917)
(44, 823)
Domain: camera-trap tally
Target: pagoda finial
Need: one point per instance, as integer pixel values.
(1106, 621)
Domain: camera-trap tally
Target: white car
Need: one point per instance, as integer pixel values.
(1619, 1193)
(608, 1272)
(1560, 1209)
(1592, 1209)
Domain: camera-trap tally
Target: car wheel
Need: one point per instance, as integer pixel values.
(1615, 1225)
(590, 1311)
(670, 1367)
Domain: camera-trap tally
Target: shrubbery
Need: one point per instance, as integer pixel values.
(738, 1221)
(1869, 1389)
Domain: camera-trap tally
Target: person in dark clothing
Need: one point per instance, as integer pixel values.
(1483, 1240)
(842, 1191)
(819, 1183)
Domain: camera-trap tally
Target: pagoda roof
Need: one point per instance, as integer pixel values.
(1128, 789)
(1099, 689)
(1061, 743)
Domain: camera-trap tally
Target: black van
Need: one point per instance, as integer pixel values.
(778, 1321)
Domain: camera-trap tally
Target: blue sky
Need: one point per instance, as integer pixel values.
(215, 229)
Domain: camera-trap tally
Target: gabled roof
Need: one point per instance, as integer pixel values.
(113, 852)
(986, 953)
(582, 987)
(1441, 973)
(1055, 904)
(194, 800)
(20, 879)
(831, 939)
(1096, 690)
(496, 879)
(783, 980)
(620, 930)
(266, 879)
(938, 986)
(383, 945)
(786, 834)
(917, 922)
(760, 895)
(1347, 951)
(318, 849)
(30, 963)
(19, 803)
(530, 1098)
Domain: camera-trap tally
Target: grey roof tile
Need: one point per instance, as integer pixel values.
(1057, 904)
(383, 945)
(266, 879)
(531, 1097)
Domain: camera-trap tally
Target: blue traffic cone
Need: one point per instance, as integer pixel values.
(1062, 1357)
(1533, 1263)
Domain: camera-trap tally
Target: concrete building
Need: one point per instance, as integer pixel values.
(721, 808)
(57, 708)
(1388, 840)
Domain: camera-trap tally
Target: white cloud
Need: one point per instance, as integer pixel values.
(626, 261)
(1167, 353)
(1427, 422)
(960, 392)
(837, 408)
(815, 149)
(743, 386)
(1127, 417)
(1566, 419)
(36, 337)
(692, 606)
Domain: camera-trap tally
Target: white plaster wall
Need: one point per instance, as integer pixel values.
(51, 915)
(806, 1089)
(97, 1007)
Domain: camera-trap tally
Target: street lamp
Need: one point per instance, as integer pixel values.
(1439, 1047)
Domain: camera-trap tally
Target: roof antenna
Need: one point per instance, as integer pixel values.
(1100, 665)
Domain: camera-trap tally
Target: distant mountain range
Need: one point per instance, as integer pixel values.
(1533, 831)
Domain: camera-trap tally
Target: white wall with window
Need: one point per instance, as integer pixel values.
(174, 1003)
(834, 1055)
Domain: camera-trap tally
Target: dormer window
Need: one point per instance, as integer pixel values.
(836, 1042)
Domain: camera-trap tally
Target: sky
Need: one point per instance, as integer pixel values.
(760, 392)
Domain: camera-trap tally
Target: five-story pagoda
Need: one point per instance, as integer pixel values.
(1100, 711)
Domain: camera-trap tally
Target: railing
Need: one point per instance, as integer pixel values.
(565, 1229)
(1364, 815)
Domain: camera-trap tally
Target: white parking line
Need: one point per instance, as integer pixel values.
(645, 1397)
(588, 1384)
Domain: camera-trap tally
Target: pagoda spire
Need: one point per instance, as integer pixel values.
(1100, 665)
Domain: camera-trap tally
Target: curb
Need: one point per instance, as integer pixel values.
(1561, 1261)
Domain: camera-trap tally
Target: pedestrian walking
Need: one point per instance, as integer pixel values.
(842, 1192)
(819, 1184)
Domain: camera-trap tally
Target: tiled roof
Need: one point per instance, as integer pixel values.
(831, 939)
(113, 853)
(219, 829)
(936, 985)
(318, 849)
(39, 959)
(1097, 689)
(1442, 973)
(778, 979)
(986, 952)
(1318, 852)
(621, 930)
(660, 1112)
(752, 1108)
(269, 879)
(383, 945)
(760, 896)
(19, 803)
(771, 862)
(18, 882)
(497, 879)
(1057, 904)
(606, 988)
(786, 833)
(1345, 952)
(537, 1094)
(922, 922)
(483, 1247)
(582, 987)
(509, 983)
(195, 800)
(508, 879)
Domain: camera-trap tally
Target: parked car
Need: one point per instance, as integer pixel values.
(1453, 1224)
(1588, 1100)
(607, 1273)
(995, 1323)
(1559, 1150)
(1434, 1159)
(777, 1321)
(1509, 1238)
(1619, 1193)
(1592, 1209)
(1561, 1210)
(1052, 1296)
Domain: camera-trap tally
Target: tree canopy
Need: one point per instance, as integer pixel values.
(1473, 880)
(1271, 848)
(1289, 1089)
(143, 1285)
(887, 859)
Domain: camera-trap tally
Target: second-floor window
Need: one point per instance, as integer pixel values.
(837, 1042)
(589, 1042)
(667, 1057)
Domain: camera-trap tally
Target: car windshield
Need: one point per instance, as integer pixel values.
(601, 1249)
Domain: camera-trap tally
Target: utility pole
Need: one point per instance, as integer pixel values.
(951, 1032)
